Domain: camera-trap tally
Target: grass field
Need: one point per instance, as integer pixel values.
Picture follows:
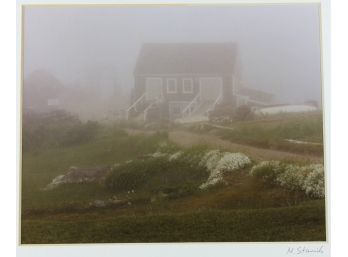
(300, 223)
(166, 205)
(273, 132)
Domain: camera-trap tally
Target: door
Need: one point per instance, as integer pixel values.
(210, 88)
(153, 87)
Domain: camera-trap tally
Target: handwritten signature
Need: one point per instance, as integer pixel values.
(305, 250)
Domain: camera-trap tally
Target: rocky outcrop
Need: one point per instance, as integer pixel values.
(79, 175)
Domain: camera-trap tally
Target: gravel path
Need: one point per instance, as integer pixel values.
(188, 139)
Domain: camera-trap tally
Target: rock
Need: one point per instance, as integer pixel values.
(55, 182)
(98, 203)
(79, 175)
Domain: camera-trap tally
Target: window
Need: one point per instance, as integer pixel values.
(171, 86)
(187, 85)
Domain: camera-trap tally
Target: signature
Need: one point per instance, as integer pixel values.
(305, 250)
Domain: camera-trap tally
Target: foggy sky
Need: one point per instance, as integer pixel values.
(279, 45)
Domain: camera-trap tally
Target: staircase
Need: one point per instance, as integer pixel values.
(140, 108)
(200, 112)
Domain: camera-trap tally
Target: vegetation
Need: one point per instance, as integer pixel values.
(309, 178)
(274, 132)
(154, 174)
(301, 223)
(153, 194)
(56, 129)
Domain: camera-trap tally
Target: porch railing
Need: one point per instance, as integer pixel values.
(134, 105)
(192, 106)
(216, 102)
(147, 109)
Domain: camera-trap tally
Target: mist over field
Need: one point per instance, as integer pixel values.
(172, 124)
(89, 54)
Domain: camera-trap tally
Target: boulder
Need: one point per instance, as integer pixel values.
(79, 175)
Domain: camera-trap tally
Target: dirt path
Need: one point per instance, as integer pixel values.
(187, 139)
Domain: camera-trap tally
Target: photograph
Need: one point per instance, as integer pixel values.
(172, 123)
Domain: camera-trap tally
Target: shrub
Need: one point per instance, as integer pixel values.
(242, 113)
(56, 129)
(268, 171)
(80, 134)
(308, 178)
(314, 184)
(154, 173)
(218, 163)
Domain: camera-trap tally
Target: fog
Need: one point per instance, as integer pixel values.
(279, 45)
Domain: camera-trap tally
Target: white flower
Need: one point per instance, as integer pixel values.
(314, 184)
(211, 159)
(292, 177)
(174, 156)
(309, 178)
(232, 161)
(218, 164)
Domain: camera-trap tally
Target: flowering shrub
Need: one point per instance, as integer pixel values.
(314, 184)
(232, 161)
(291, 177)
(309, 178)
(267, 170)
(218, 163)
(211, 159)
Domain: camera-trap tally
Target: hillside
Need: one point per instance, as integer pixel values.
(153, 189)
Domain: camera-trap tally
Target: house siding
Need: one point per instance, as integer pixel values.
(140, 82)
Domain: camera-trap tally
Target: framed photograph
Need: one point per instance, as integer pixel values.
(173, 128)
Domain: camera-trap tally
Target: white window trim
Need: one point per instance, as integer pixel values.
(183, 86)
(175, 84)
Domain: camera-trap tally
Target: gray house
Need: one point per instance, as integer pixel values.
(181, 80)
(178, 80)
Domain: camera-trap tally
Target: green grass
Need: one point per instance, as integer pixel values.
(301, 223)
(271, 132)
(110, 147)
(244, 210)
(156, 174)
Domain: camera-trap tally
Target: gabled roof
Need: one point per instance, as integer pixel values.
(190, 58)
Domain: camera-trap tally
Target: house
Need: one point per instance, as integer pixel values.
(178, 81)
(181, 78)
(42, 92)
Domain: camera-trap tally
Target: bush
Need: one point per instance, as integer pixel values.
(314, 184)
(155, 173)
(268, 171)
(55, 129)
(80, 134)
(222, 112)
(308, 178)
(218, 163)
(243, 113)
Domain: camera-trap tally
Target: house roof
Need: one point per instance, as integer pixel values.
(189, 58)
